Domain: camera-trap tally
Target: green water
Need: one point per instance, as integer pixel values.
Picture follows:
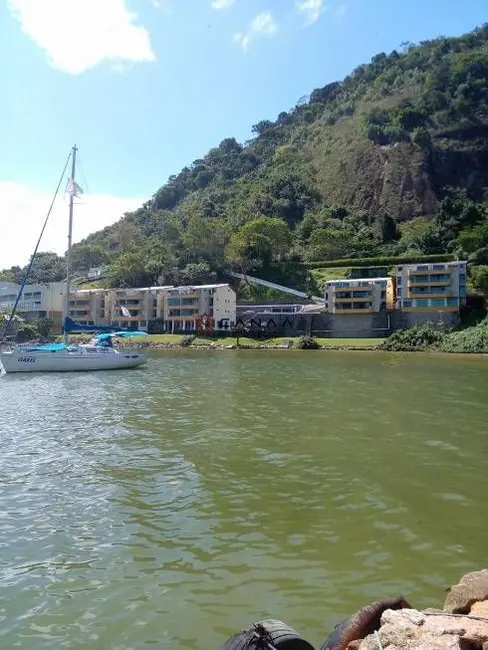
(172, 505)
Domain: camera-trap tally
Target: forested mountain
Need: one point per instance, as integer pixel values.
(392, 160)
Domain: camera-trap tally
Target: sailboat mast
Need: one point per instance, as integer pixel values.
(70, 237)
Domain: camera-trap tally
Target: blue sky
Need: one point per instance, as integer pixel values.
(145, 87)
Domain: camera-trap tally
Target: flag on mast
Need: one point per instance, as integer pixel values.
(72, 188)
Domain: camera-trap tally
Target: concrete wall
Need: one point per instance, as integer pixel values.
(345, 325)
(402, 320)
(324, 324)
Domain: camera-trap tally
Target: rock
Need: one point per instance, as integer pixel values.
(473, 587)
(362, 623)
(480, 609)
(409, 629)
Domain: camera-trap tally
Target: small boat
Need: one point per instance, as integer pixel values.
(99, 354)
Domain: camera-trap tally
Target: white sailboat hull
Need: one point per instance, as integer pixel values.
(69, 360)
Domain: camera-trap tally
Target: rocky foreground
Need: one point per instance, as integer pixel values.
(392, 623)
(461, 625)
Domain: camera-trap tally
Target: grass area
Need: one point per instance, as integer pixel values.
(367, 344)
(323, 275)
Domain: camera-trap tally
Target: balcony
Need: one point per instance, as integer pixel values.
(431, 271)
(349, 298)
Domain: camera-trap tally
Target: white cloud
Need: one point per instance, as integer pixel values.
(222, 4)
(77, 35)
(310, 10)
(263, 25)
(23, 210)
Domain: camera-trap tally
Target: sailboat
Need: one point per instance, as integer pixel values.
(99, 354)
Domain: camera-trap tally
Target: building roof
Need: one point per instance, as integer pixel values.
(157, 288)
(372, 280)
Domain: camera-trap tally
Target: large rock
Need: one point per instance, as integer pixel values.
(472, 588)
(409, 629)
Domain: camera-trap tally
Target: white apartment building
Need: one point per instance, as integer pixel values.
(36, 301)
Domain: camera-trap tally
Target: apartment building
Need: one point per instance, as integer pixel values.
(359, 295)
(202, 308)
(177, 309)
(128, 308)
(36, 301)
(439, 287)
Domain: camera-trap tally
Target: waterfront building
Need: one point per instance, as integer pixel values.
(37, 301)
(175, 309)
(439, 287)
(359, 295)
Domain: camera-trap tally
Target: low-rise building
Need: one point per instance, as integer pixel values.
(359, 296)
(36, 301)
(439, 287)
(176, 309)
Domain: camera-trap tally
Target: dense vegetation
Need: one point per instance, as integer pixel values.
(391, 161)
(433, 337)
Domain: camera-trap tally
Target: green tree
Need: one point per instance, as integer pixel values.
(86, 256)
(479, 278)
(44, 326)
(385, 228)
(128, 270)
(473, 242)
(47, 267)
(259, 242)
(199, 273)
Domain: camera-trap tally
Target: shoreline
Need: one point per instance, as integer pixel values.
(290, 344)
(293, 348)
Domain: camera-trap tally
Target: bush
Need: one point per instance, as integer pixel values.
(187, 340)
(26, 332)
(420, 337)
(471, 340)
(308, 343)
(44, 326)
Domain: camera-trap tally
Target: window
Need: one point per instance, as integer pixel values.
(421, 303)
(407, 303)
(438, 302)
(399, 292)
(399, 279)
(453, 302)
(422, 268)
(360, 294)
(439, 267)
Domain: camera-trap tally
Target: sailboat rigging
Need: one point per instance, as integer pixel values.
(99, 354)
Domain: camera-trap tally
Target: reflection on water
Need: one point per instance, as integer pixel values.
(173, 504)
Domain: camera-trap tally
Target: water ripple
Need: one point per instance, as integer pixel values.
(218, 488)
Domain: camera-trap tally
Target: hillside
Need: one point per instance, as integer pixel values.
(393, 160)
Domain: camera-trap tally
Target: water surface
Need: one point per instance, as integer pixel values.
(171, 505)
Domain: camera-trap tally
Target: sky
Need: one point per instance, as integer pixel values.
(144, 87)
